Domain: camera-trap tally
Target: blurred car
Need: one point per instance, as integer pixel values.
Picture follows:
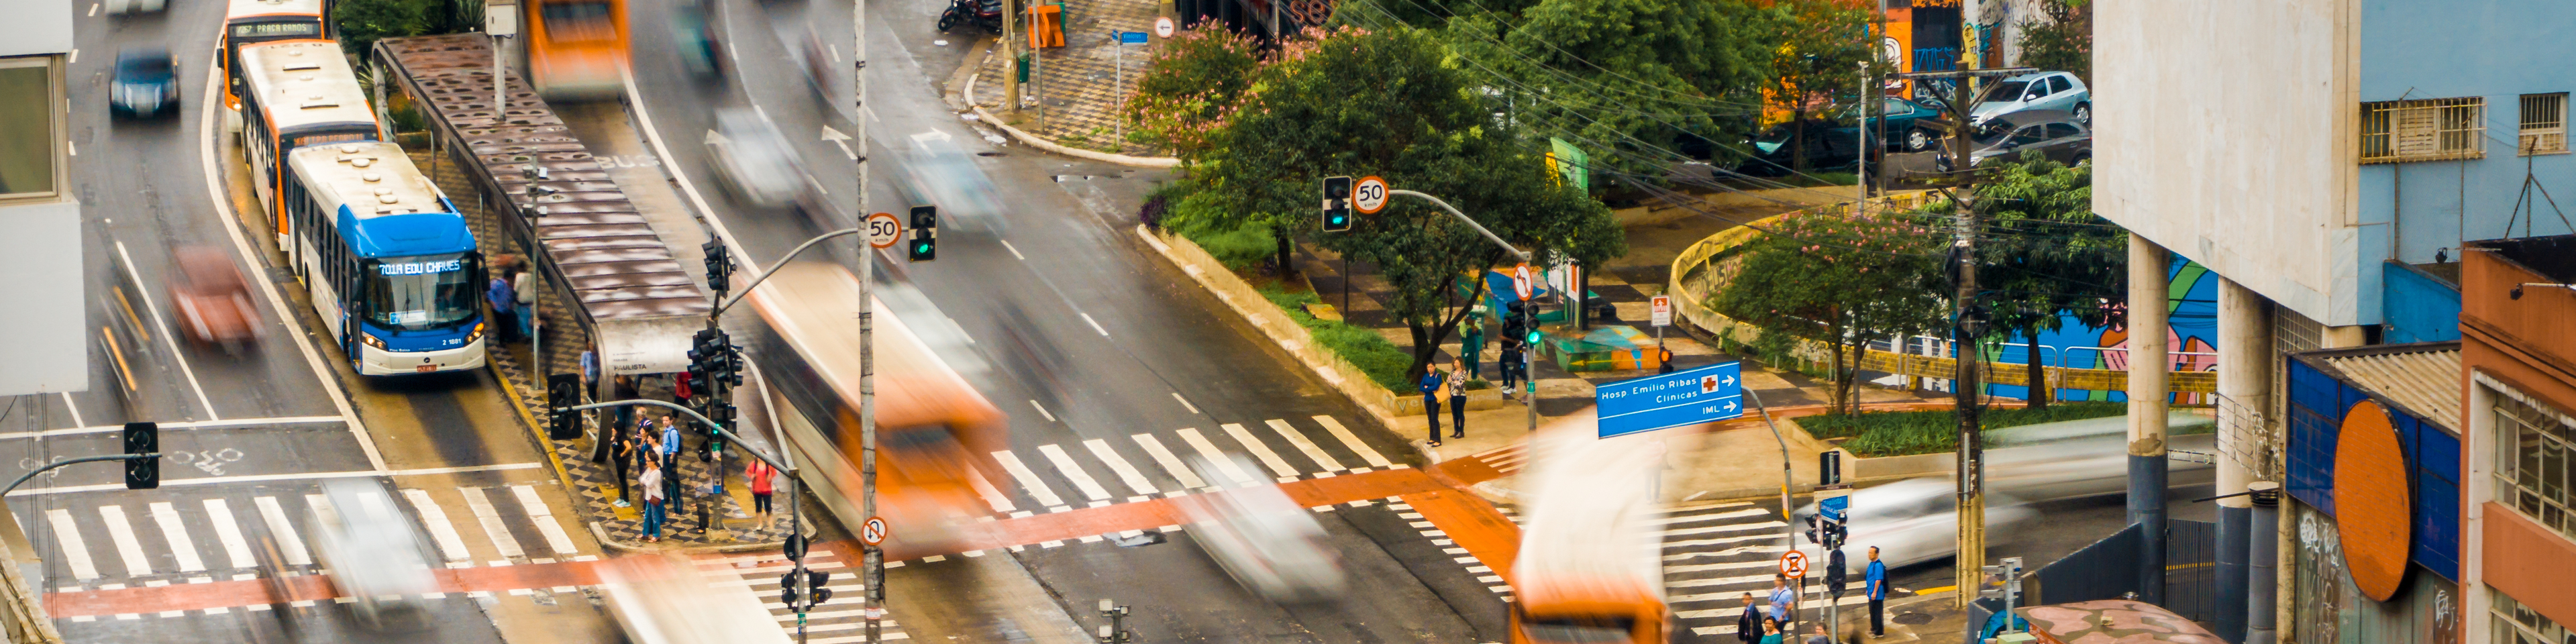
(936, 171)
(146, 84)
(1911, 522)
(2059, 91)
(1902, 118)
(212, 299)
(2054, 134)
(1267, 542)
(1827, 148)
(753, 160)
(664, 599)
(135, 6)
(694, 33)
(374, 555)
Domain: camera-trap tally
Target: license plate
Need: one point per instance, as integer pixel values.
(425, 368)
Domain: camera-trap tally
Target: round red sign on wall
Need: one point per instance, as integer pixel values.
(2374, 510)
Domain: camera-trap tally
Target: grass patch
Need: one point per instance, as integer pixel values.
(1380, 359)
(1903, 433)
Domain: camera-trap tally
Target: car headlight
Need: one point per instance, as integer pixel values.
(476, 334)
(371, 340)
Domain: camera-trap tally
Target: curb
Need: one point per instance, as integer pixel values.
(612, 543)
(529, 420)
(968, 95)
(1384, 418)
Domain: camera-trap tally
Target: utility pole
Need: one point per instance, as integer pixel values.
(872, 570)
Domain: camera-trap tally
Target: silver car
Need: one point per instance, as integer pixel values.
(373, 554)
(1267, 542)
(754, 161)
(2039, 91)
(938, 172)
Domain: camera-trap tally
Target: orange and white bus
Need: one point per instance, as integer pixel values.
(576, 48)
(296, 93)
(257, 21)
(933, 428)
(1590, 566)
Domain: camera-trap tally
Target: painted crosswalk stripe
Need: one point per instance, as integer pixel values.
(1171, 464)
(75, 553)
(181, 547)
(556, 539)
(440, 530)
(127, 548)
(1028, 480)
(235, 547)
(1135, 480)
(1352, 441)
(1234, 475)
(493, 528)
(1001, 502)
(1261, 451)
(1303, 445)
(282, 531)
(1064, 463)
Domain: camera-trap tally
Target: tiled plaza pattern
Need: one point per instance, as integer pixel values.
(1080, 80)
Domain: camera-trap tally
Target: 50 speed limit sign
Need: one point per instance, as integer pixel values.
(1369, 196)
(883, 230)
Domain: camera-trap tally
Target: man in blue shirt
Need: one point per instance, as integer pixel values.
(1874, 586)
(1784, 601)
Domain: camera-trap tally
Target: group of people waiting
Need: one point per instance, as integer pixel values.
(644, 448)
(512, 292)
(1760, 625)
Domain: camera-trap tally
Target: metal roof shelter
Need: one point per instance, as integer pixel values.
(639, 303)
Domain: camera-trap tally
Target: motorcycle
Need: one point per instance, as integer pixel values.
(983, 13)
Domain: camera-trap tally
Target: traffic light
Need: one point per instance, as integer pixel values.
(1815, 533)
(925, 234)
(719, 266)
(1835, 575)
(795, 547)
(1829, 467)
(142, 473)
(815, 580)
(787, 589)
(1337, 204)
(563, 391)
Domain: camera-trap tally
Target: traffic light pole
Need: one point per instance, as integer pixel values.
(872, 570)
(13, 485)
(1529, 354)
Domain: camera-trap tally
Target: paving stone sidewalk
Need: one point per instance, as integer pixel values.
(1080, 82)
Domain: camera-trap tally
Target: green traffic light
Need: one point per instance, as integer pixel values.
(1533, 337)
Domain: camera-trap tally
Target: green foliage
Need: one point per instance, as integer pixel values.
(1199, 216)
(1902, 433)
(1819, 46)
(1381, 360)
(1190, 89)
(2062, 42)
(2048, 257)
(362, 22)
(1838, 280)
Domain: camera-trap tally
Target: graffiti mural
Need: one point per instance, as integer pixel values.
(2191, 334)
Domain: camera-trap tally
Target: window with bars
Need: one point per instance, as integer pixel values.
(2438, 129)
(2544, 124)
(2514, 623)
(2533, 474)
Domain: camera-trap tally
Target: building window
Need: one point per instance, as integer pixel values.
(30, 167)
(2544, 124)
(2533, 447)
(2423, 130)
(2514, 623)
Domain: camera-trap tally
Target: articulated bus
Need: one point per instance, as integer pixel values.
(299, 93)
(1590, 567)
(933, 429)
(254, 21)
(392, 268)
(576, 48)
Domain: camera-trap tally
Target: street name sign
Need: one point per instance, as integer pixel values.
(1665, 401)
(1662, 310)
(884, 230)
(1370, 195)
(1131, 37)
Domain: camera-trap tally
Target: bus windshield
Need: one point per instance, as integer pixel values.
(577, 21)
(422, 292)
(1584, 629)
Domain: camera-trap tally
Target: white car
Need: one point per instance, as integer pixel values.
(373, 554)
(1267, 542)
(1910, 522)
(135, 6)
(2039, 91)
(753, 160)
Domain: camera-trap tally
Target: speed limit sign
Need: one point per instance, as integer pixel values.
(1369, 196)
(884, 230)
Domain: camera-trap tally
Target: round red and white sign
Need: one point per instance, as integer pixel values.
(1163, 27)
(1793, 563)
(883, 230)
(1369, 195)
(873, 531)
(1521, 281)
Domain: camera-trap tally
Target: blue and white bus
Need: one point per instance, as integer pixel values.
(392, 268)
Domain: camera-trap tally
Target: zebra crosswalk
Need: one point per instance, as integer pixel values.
(1100, 471)
(1716, 552)
(836, 622)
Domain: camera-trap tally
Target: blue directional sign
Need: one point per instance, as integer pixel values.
(1676, 399)
(1131, 37)
(1836, 508)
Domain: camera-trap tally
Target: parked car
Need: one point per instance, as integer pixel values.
(146, 85)
(1903, 119)
(212, 298)
(2039, 91)
(2053, 133)
(753, 160)
(1827, 148)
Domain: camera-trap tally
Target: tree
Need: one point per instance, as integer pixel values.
(1387, 103)
(2050, 257)
(363, 22)
(1190, 88)
(2064, 41)
(1820, 47)
(1841, 281)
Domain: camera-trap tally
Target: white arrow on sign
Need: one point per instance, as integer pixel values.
(1730, 405)
(839, 139)
(1521, 281)
(1730, 381)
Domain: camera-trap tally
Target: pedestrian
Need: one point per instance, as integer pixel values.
(1748, 626)
(653, 500)
(1508, 362)
(1471, 342)
(1816, 634)
(524, 282)
(1874, 586)
(1784, 600)
(1772, 633)
(670, 456)
(762, 479)
(624, 454)
(505, 307)
(1431, 384)
(1457, 387)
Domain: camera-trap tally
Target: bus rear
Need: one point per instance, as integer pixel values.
(1590, 566)
(576, 48)
(257, 21)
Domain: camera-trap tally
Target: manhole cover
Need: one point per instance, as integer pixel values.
(1911, 619)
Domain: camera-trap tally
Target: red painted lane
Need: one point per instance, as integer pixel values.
(1144, 515)
(1473, 524)
(222, 594)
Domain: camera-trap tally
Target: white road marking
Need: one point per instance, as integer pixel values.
(1015, 250)
(493, 528)
(189, 424)
(1224, 465)
(1352, 441)
(93, 11)
(127, 548)
(226, 530)
(75, 53)
(75, 409)
(153, 305)
(1185, 402)
(450, 544)
(1028, 480)
(75, 552)
(1304, 445)
(1064, 463)
(1126, 472)
(181, 547)
(984, 488)
(227, 219)
(1042, 411)
(1095, 325)
(1171, 464)
(258, 478)
(282, 531)
(1261, 451)
(544, 517)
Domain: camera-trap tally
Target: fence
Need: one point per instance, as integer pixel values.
(2108, 569)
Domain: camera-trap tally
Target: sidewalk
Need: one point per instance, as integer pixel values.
(1074, 95)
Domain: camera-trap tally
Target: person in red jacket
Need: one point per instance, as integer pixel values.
(761, 477)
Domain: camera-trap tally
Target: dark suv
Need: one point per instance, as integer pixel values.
(147, 84)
